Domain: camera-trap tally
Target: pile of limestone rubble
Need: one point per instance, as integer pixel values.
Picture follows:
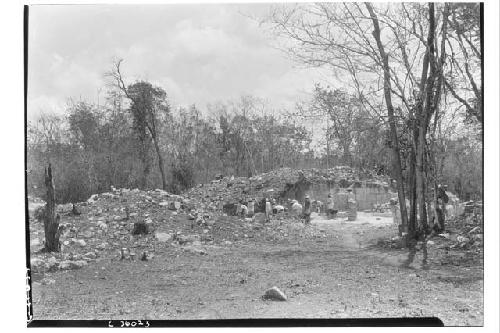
(103, 227)
(463, 238)
(274, 184)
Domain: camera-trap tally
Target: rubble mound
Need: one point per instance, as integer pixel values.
(223, 193)
(462, 241)
(106, 228)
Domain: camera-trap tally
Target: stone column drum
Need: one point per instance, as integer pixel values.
(352, 210)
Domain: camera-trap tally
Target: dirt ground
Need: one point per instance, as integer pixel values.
(329, 269)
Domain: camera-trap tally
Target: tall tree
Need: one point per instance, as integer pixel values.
(337, 36)
(401, 45)
(348, 119)
(390, 113)
(148, 104)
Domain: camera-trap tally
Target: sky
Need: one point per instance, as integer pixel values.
(199, 54)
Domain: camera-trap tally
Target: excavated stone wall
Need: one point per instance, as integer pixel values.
(366, 194)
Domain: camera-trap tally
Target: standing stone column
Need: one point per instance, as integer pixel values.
(251, 208)
(396, 215)
(352, 210)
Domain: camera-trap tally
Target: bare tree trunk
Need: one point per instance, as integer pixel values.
(436, 206)
(146, 167)
(346, 154)
(420, 132)
(249, 157)
(434, 177)
(420, 162)
(396, 158)
(413, 194)
(51, 219)
(160, 164)
(424, 118)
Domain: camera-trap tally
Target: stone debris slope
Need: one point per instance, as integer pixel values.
(104, 228)
(275, 184)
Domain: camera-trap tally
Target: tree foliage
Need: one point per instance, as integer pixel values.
(402, 62)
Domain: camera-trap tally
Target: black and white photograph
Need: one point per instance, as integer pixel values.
(257, 164)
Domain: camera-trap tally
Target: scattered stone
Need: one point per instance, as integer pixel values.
(47, 281)
(188, 204)
(81, 242)
(64, 265)
(477, 237)
(102, 225)
(75, 210)
(72, 264)
(36, 264)
(475, 230)
(296, 208)
(140, 228)
(341, 215)
(195, 249)
(124, 253)
(182, 240)
(163, 236)
(87, 234)
(259, 218)
(90, 255)
(51, 264)
(38, 212)
(145, 256)
(274, 294)
(278, 209)
(79, 263)
(102, 246)
(174, 205)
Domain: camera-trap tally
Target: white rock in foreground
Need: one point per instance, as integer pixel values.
(163, 236)
(274, 294)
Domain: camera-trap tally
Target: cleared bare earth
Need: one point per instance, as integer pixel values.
(327, 270)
